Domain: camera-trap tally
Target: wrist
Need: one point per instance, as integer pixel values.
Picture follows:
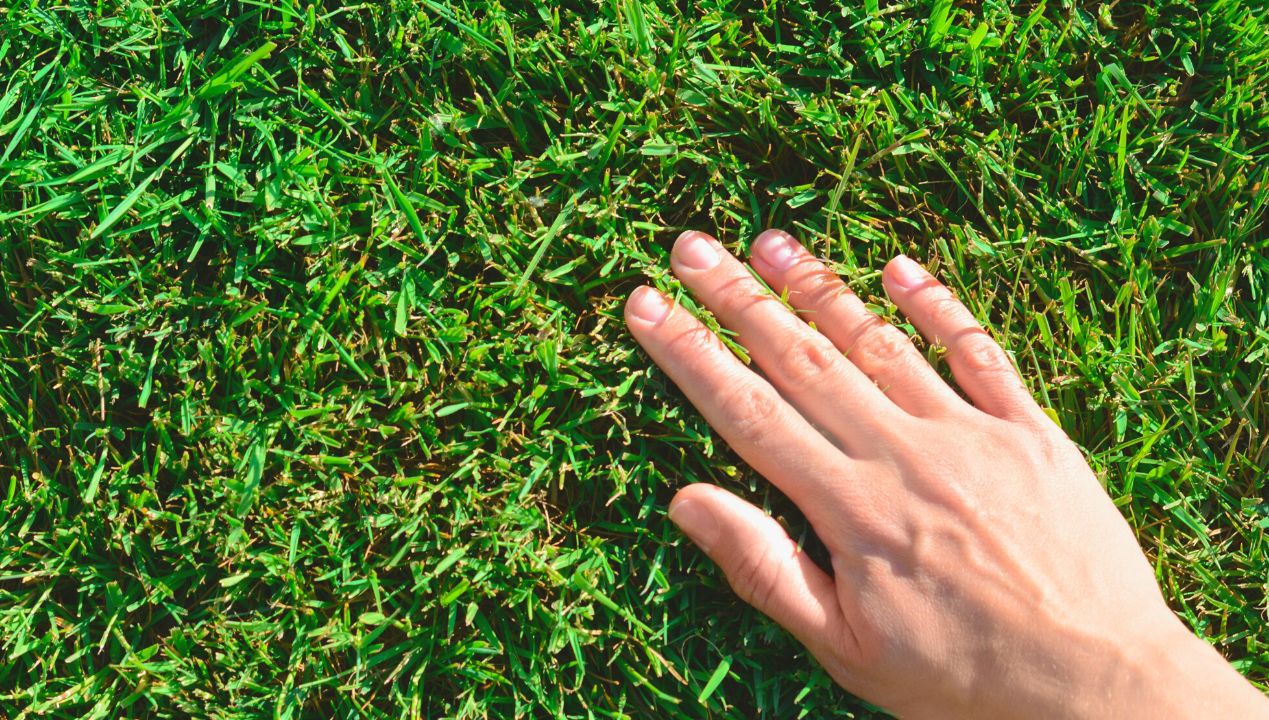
(1158, 670)
(1169, 672)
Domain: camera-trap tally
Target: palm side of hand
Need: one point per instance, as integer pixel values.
(972, 548)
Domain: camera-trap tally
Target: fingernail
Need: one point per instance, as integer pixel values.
(648, 305)
(776, 249)
(697, 521)
(696, 251)
(906, 273)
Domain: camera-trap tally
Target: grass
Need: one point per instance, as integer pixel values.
(315, 400)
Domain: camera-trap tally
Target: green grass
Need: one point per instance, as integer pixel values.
(315, 399)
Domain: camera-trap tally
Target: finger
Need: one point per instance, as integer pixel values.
(750, 415)
(882, 351)
(801, 363)
(762, 564)
(981, 367)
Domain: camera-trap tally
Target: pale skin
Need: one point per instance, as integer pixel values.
(978, 567)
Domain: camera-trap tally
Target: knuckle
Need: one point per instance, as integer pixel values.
(886, 343)
(948, 312)
(756, 576)
(807, 360)
(979, 354)
(750, 410)
(696, 340)
(861, 335)
(740, 294)
(822, 288)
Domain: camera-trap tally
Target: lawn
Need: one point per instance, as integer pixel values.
(315, 397)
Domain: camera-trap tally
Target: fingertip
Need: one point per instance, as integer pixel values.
(695, 491)
(772, 237)
(905, 274)
(730, 508)
(647, 305)
(695, 250)
(694, 511)
(776, 249)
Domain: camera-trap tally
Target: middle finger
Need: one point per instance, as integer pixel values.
(801, 363)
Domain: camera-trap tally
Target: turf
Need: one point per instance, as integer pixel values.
(315, 399)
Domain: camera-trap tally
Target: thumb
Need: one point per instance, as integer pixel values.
(762, 563)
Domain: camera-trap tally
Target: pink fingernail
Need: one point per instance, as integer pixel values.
(776, 249)
(696, 251)
(698, 521)
(907, 273)
(648, 305)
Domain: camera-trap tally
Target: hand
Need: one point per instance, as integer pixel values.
(978, 567)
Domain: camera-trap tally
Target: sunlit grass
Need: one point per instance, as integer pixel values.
(314, 394)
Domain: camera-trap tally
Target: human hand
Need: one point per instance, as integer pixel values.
(978, 567)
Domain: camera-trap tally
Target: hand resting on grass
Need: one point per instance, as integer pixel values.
(978, 567)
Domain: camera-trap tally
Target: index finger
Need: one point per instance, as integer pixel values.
(745, 409)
